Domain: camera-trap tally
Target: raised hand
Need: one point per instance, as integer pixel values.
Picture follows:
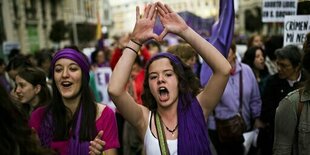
(144, 26)
(171, 21)
(96, 146)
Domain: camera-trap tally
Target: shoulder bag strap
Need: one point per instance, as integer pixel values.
(161, 135)
(240, 91)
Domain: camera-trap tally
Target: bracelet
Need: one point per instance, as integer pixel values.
(136, 42)
(131, 49)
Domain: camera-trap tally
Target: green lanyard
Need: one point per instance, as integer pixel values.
(161, 135)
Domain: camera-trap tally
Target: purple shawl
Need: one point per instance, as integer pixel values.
(76, 147)
(193, 131)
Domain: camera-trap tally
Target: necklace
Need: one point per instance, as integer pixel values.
(171, 130)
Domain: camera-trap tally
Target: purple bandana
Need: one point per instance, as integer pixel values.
(73, 55)
(176, 60)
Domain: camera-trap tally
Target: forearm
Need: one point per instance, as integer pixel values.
(207, 51)
(122, 70)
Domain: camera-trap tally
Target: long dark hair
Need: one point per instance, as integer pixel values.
(36, 76)
(249, 57)
(188, 81)
(15, 133)
(61, 115)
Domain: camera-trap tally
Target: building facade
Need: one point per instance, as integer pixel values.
(29, 22)
(123, 11)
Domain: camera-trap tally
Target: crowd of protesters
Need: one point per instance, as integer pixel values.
(109, 102)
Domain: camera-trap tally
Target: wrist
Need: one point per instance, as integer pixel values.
(133, 45)
(136, 42)
(185, 32)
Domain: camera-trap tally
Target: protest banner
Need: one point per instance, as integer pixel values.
(102, 78)
(295, 29)
(276, 10)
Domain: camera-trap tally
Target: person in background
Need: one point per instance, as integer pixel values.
(13, 53)
(255, 40)
(16, 138)
(185, 52)
(271, 45)
(4, 78)
(99, 58)
(291, 134)
(31, 89)
(153, 47)
(255, 58)
(172, 95)
(99, 61)
(288, 78)
(230, 102)
(17, 63)
(132, 143)
(117, 53)
(73, 123)
(44, 58)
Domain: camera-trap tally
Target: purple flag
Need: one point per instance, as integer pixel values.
(221, 35)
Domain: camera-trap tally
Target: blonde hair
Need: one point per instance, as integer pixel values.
(183, 51)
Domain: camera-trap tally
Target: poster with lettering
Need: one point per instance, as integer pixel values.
(276, 10)
(295, 29)
(102, 78)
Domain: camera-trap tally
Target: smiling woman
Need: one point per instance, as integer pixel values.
(74, 123)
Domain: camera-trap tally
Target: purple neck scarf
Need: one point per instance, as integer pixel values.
(73, 55)
(193, 131)
(76, 147)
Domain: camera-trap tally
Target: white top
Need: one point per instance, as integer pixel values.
(151, 144)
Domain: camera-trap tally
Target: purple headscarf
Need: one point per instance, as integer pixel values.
(193, 131)
(73, 55)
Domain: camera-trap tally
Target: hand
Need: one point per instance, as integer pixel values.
(171, 21)
(96, 146)
(143, 29)
(259, 124)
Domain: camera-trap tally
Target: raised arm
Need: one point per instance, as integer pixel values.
(143, 30)
(212, 92)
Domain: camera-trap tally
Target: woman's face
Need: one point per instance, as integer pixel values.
(25, 91)
(68, 78)
(100, 58)
(257, 41)
(163, 82)
(191, 62)
(231, 57)
(153, 50)
(259, 60)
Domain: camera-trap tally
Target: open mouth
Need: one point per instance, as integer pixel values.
(19, 97)
(66, 84)
(163, 94)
